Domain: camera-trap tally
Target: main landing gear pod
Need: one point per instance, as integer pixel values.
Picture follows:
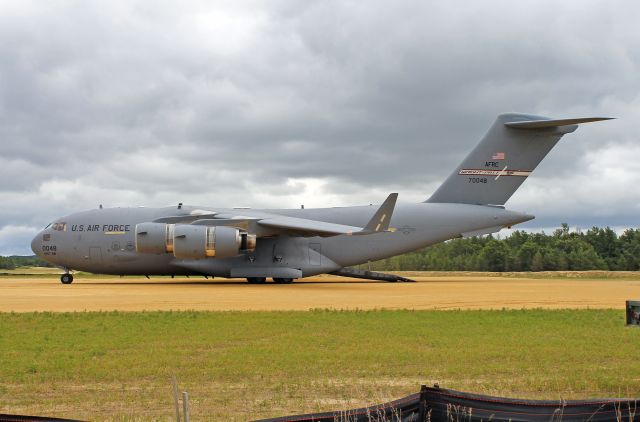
(257, 280)
(282, 280)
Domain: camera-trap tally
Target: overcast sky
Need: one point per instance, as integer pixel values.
(282, 103)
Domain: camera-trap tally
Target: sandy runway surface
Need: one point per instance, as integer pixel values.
(434, 292)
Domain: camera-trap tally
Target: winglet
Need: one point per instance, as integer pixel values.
(380, 220)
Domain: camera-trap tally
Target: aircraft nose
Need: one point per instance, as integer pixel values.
(36, 244)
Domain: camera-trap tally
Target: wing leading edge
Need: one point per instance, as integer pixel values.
(378, 223)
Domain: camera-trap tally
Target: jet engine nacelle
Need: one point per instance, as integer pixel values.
(187, 241)
(196, 242)
(154, 238)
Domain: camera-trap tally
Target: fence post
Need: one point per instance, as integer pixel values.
(185, 406)
(175, 397)
(422, 409)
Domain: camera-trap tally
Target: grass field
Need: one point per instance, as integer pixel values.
(243, 365)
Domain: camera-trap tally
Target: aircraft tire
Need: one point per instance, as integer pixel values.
(66, 278)
(256, 280)
(283, 280)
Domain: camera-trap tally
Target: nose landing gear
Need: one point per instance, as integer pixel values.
(66, 278)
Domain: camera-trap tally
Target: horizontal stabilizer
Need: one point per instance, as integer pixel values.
(542, 124)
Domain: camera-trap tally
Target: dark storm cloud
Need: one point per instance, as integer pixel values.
(282, 103)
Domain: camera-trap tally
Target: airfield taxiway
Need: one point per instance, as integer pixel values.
(450, 291)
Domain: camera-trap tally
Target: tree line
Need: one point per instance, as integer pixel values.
(595, 249)
(12, 262)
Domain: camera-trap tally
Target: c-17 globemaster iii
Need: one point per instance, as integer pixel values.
(287, 244)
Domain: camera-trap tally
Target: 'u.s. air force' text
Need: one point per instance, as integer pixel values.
(104, 227)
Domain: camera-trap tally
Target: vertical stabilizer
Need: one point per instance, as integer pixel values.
(512, 148)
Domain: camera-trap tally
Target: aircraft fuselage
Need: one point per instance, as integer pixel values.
(103, 240)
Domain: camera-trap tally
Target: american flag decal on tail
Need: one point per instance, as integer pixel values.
(498, 156)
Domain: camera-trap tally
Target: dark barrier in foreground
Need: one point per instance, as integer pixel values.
(439, 404)
(21, 418)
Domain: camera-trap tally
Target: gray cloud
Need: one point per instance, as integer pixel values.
(329, 103)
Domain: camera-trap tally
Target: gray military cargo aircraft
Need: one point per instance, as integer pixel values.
(287, 244)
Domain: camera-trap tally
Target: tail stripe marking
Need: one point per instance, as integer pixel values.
(497, 173)
(501, 173)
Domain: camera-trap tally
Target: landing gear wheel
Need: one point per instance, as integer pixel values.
(283, 280)
(66, 278)
(256, 280)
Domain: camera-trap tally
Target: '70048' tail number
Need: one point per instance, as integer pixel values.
(477, 180)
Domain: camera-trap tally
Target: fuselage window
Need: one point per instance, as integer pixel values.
(61, 227)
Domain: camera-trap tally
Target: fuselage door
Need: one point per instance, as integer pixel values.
(95, 255)
(315, 254)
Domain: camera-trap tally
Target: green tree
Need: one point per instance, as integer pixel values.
(525, 254)
(494, 256)
(537, 262)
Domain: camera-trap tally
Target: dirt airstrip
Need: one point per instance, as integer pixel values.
(450, 291)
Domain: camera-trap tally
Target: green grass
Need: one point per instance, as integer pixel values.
(241, 365)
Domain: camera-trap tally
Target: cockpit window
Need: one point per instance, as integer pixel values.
(61, 227)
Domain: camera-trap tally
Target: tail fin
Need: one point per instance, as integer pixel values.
(504, 158)
(382, 217)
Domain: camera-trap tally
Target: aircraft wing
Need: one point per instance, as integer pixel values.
(309, 226)
(280, 222)
(269, 221)
(378, 223)
(186, 219)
